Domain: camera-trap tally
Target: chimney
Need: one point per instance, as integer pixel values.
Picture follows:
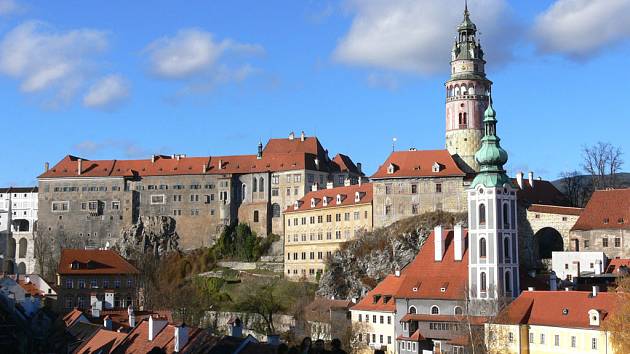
(316, 163)
(107, 323)
(531, 288)
(152, 158)
(530, 177)
(302, 137)
(79, 166)
(397, 272)
(181, 337)
(132, 316)
(346, 182)
(220, 164)
(155, 326)
(595, 290)
(177, 157)
(458, 242)
(439, 243)
(519, 179)
(567, 289)
(46, 166)
(359, 166)
(314, 187)
(291, 136)
(329, 185)
(204, 168)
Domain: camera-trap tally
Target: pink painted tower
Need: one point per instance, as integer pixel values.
(466, 96)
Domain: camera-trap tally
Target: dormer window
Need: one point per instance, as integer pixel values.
(386, 299)
(593, 317)
(358, 196)
(391, 168)
(340, 198)
(325, 201)
(606, 220)
(376, 298)
(444, 287)
(74, 265)
(313, 202)
(436, 167)
(296, 205)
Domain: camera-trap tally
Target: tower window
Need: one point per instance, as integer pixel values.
(506, 216)
(483, 282)
(506, 248)
(508, 284)
(482, 247)
(482, 214)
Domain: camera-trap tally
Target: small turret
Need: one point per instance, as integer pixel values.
(260, 150)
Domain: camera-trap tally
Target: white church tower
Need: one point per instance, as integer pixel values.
(493, 239)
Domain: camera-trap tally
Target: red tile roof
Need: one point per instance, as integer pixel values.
(419, 164)
(137, 341)
(345, 164)
(310, 145)
(416, 336)
(548, 308)
(71, 317)
(428, 276)
(553, 209)
(607, 209)
(543, 192)
(319, 309)
(616, 263)
(101, 342)
(386, 288)
(347, 193)
(93, 262)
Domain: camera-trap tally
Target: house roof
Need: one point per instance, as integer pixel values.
(101, 342)
(428, 277)
(558, 308)
(607, 209)
(418, 163)
(93, 262)
(120, 318)
(616, 263)
(136, 341)
(71, 317)
(374, 300)
(554, 209)
(543, 192)
(348, 197)
(319, 309)
(18, 190)
(345, 164)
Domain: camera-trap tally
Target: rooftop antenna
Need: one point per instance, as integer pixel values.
(394, 144)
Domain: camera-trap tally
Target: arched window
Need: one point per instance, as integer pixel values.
(22, 248)
(460, 118)
(255, 215)
(11, 253)
(483, 281)
(244, 191)
(275, 210)
(482, 214)
(412, 310)
(482, 247)
(506, 248)
(255, 186)
(458, 310)
(21, 268)
(435, 310)
(506, 216)
(465, 120)
(261, 184)
(508, 282)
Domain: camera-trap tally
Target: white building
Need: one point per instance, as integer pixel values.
(18, 223)
(568, 265)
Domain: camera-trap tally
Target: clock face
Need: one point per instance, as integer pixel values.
(463, 67)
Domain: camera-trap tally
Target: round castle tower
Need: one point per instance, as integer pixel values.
(466, 96)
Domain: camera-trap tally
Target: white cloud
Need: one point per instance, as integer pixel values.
(417, 35)
(107, 93)
(44, 60)
(8, 7)
(379, 80)
(580, 28)
(194, 52)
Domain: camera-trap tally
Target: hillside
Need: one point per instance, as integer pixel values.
(362, 263)
(622, 178)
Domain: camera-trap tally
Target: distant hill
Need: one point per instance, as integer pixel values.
(623, 179)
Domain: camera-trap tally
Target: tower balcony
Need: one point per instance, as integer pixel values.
(467, 97)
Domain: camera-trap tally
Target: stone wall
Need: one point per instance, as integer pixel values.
(618, 242)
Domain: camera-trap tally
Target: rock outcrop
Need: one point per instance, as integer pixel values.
(151, 234)
(361, 263)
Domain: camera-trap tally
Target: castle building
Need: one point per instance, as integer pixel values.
(318, 223)
(18, 224)
(466, 96)
(89, 202)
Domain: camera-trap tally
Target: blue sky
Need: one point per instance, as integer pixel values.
(125, 79)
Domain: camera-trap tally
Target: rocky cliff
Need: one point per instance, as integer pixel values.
(151, 234)
(361, 263)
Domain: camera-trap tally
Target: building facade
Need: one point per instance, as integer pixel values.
(87, 276)
(570, 265)
(318, 223)
(18, 225)
(604, 225)
(88, 203)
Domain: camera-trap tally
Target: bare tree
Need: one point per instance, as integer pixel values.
(575, 188)
(602, 161)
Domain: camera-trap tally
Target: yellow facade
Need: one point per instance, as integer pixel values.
(311, 236)
(535, 339)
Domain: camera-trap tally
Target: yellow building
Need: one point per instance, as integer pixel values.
(541, 322)
(317, 224)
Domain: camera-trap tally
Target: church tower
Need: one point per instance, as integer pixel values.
(466, 96)
(493, 276)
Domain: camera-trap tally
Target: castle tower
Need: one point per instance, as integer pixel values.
(493, 275)
(466, 96)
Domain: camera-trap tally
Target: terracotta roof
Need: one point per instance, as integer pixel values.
(428, 277)
(607, 209)
(418, 164)
(554, 209)
(416, 336)
(345, 164)
(101, 342)
(319, 309)
(616, 263)
(543, 192)
(558, 308)
(385, 290)
(310, 145)
(30, 288)
(136, 341)
(347, 193)
(71, 317)
(93, 262)
(120, 318)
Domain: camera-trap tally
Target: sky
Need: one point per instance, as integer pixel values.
(127, 79)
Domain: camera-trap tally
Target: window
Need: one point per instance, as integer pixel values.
(388, 189)
(458, 310)
(60, 206)
(115, 205)
(573, 342)
(275, 192)
(68, 302)
(531, 338)
(360, 319)
(506, 216)
(506, 248)
(482, 214)
(374, 321)
(357, 215)
(511, 337)
(275, 210)
(556, 340)
(389, 339)
(297, 178)
(414, 189)
(338, 234)
(337, 217)
(605, 242)
(586, 243)
(435, 310)
(69, 284)
(412, 310)
(593, 343)
(414, 209)
(388, 210)
(389, 321)
(117, 283)
(617, 242)
(508, 283)
(105, 284)
(482, 247)
(255, 215)
(382, 320)
(261, 184)
(542, 338)
(438, 188)
(157, 199)
(482, 283)
(93, 284)
(346, 217)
